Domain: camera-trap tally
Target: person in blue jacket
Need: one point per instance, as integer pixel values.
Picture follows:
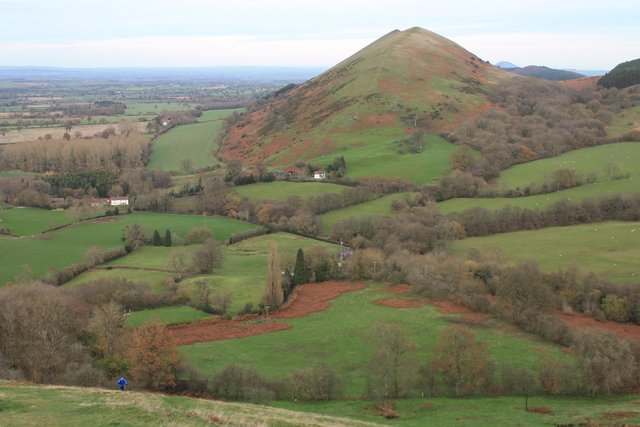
(122, 383)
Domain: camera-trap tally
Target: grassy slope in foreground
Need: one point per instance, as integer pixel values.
(53, 406)
(611, 249)
(338, 337)
(486, 411)
(67, 246)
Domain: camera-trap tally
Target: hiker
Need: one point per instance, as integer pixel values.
(122, 383)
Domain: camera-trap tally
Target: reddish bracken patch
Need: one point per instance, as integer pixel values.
(400, 289)
(315, 297)
(541, 410)
(444, 306)
(623, 330)
(622, 414)
(307, 299)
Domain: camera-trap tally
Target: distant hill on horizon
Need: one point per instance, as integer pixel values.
(223, 73)
(548, 73)
(540, 72)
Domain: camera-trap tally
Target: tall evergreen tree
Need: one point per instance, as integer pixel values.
(167, 238)
(157, 240)
(300, 272)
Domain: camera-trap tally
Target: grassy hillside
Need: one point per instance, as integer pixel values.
(603, 188)
(194, 142)
(282, 190)
(626, 155)
(611, 249)
(27, 405)
(338, 337)
(405, 81)
(380, 206)
(67, 246)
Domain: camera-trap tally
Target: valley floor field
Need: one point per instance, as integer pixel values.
(338, 337)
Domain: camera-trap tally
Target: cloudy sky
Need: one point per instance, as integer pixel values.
(588, 34)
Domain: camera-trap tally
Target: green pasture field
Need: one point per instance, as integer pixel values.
(282, 190)
(166, 315)
(211, 115)
(338, 337)
(242, 274)
(155, 279)
(194, 142)
(59, 406)
(245, 266)
(67, 246)
(504, 411)
(593, 159)
(380, 206)
(29, 221)
(626, 120)
(539, 201)
(611, 249)
(377, 158)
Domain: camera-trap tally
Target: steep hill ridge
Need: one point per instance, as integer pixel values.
(404, 81)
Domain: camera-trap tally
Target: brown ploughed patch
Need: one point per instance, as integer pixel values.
(541, 410)
(623, 330)
(307, 299)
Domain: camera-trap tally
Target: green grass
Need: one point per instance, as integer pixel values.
(593, 159)
(59, 406)
(67, 246)
(245, 266)
(166, 315)
(338, 337)
(625, 154)
(282, 190)
(611, 249)
(194, 142)
(485, 411)
(210, 115)
(377, 158)
(242, 274)
(539, 201)
(381, 206)
(155, 279)
(29, 221)
(626, 120)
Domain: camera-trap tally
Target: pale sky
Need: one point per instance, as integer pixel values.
(588, 34)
